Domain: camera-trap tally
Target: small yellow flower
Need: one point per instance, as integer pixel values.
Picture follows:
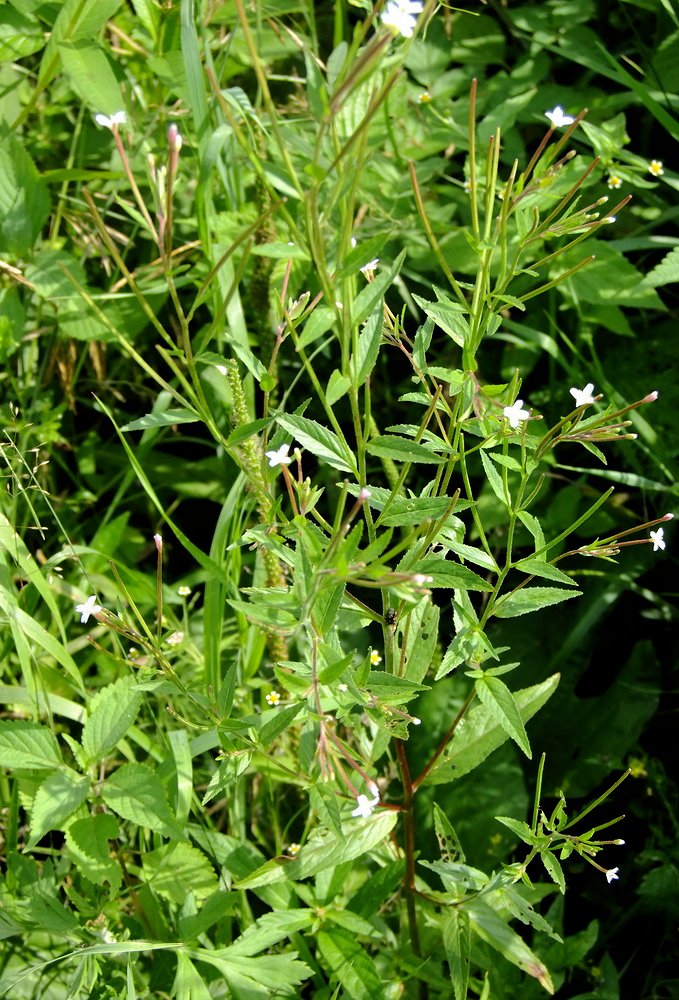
(424, 97)
(273, 698)
(655, 168)
(614, 181)
(375, 658)
(183, 591)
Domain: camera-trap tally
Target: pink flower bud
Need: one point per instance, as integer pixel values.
(158, 539)
(174, 138)
(667, 517)
(651, 398)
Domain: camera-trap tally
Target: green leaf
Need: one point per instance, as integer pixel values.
(111, 713)
(457, 941)
(91, 76)
(495, 480)
(326, 851)
(77, 20)
(496, 932)
(400, 449)
(20, 35)
(404, 511)
(135, 792)
(521, 829)
(666, 272)
(277, 721)
(321, 320)
(499, 700)
(164, 419)
(528, 599)
(27, 746)
(554, 869)
(87, 840)
(353, 967)
(449, 316)
(188, 982)
(480, 733)
(368, 346)
(257, 978)
(176, 870)
(338, 384)
(539, 567)
(448, 840)
(446, 573)
(369, 297)
(422, 635)
(56, 799)
(271, 928)
(320, 441)
(31, 629)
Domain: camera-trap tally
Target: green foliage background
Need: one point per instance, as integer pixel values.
(84, 304)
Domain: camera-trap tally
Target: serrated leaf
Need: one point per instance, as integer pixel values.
(449, 316)
(351, 964)
(274, 723)
(538, 567)
(135, 792)
(368, 346)
(521, 829)
(457, 942)
(496, 932)
(164, 419)
(188, 982)
(405, 511)
(554, 870)
(24, 201)
(479, 733)
(528, 599)
(88, 842)
(56, 799)
(111, 713)
(28, 746)
(177, 870)
(446, 573)
(320, 441)
(326, 851)
(499, 700)
(400, 449)
(666, 272)
(421, 640)
(495, 480)
(448, 840)
(257, 978)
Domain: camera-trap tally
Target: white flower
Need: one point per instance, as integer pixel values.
(273, 698)
(515, 414)
(364, 805)
(365, 494)
(401, 16)
(655, 168)
(558, 118)
(583, 396)
(279, 457)
(118, 118)
(612, 875)
(375, 658)
(183, 591)
(90, 607)
(371, 265)
(656, 538)
(175, 639)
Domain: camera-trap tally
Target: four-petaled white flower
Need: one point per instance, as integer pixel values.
(612, 875)
(364, 805)
(657, 539)
(279, 457)
(558, 117)
(401, 16)
(584, 396)
(90, 607)
(515, 413)
(118, 118)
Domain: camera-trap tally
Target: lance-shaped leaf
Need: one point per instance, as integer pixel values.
(320, 441)
(499, 701)
(522, 602)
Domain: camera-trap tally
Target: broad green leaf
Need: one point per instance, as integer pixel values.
(91, 76)
(499, 701)
(111, 713)
(320, 441)
(522, 602)
(400, 449)
(403, 511)
(449, 316)
(492, 929)
(258, 978)
(338, 385)
(135, 792)
(56, 799)
(326, 851)
(165, 419)
(446, 573)
(20, 35)
(27, 746)
(321, 320)
(176, 870)
(88, 843)
(349, 961)
(479, 733)
(77, 20)
(271, 928)
(457, 943)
